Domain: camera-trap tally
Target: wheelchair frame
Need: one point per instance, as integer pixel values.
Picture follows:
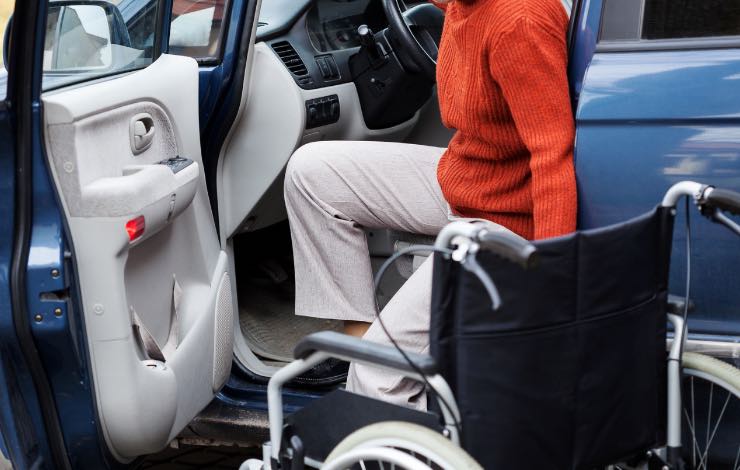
(468, 238)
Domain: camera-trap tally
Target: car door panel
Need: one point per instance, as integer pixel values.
(646, 120)
(169, 286)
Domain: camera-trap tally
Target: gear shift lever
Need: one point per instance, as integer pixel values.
(368, 42)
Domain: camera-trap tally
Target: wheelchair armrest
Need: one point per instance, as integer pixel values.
(349, 347)
(677, 304)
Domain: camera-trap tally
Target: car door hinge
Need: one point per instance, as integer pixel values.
(48, 288)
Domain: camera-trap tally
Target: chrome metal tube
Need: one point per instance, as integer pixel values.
(673, 437)
(684, 188)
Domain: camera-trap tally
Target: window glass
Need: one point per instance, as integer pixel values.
(621, 20)
(670, 19)
(86, 39)
(197, 28)
(6, 9)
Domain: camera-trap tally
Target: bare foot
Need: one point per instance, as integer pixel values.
(355, 328)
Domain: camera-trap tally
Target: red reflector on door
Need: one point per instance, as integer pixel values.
(135, 228)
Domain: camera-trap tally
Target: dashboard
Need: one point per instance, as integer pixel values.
(317, 38)
(318, 43)
(332, 24)
(307, 84)
(329, 25)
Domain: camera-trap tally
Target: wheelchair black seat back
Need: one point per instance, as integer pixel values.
(570, 372)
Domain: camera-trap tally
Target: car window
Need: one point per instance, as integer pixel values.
(197, 28)
(673, 19)
(6, 10)
(647, 24)
(87, 39)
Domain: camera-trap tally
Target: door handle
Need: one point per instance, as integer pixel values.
(141, 132)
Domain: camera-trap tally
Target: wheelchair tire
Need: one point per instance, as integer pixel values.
(711, 413)
(724, 374)
(428, 447)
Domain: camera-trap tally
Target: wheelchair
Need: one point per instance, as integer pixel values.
(565, 353)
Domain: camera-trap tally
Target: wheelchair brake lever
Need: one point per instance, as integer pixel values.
(720, 217)
(470, 263)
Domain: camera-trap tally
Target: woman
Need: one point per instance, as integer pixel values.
(502, 84)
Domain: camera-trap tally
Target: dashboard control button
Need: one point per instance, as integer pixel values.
(328, 67)
(322, 111)
(324, 67)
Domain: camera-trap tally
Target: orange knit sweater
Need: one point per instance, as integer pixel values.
(502, 85)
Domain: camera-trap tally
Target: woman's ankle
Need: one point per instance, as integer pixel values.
(356, 328)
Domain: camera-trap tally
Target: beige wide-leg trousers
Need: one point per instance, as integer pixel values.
(332, 191)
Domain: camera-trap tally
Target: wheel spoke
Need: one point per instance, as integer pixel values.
(694, 448)
(704, 457)
(737, 459)
(694, 442)
(709, 417)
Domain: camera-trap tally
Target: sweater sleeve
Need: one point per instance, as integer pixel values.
(529, 63)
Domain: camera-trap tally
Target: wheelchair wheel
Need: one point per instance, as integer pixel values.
(376, 446)
(711, 413)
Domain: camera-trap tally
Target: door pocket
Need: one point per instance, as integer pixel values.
(146, 340)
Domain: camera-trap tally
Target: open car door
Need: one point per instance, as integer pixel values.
(120, 127)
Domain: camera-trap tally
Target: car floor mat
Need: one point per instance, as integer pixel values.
(269, 324)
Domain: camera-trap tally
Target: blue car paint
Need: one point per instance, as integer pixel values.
(216, 81)
(21, 425)
(58, 332)
(243, 393)
(649, 119)
(583, 43)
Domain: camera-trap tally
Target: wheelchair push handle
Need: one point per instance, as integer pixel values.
(514, 249)
(707, 197)
(503, 243)
(722, 199)
(468, 238)
(712, 202)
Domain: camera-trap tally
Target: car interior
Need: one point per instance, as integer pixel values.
(308, 83)
(171, 289)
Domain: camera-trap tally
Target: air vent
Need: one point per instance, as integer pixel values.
(261, 24)
(290, 58)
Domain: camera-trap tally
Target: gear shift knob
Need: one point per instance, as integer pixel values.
(367, 40)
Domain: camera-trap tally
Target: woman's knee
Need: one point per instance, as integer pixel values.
(305, 162)
(309, 167)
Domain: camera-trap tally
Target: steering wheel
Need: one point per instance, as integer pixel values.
(418, 31)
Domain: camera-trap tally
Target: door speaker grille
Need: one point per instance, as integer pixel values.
(223, 341)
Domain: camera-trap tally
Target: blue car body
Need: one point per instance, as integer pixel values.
(650, 117)
(645, 119)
